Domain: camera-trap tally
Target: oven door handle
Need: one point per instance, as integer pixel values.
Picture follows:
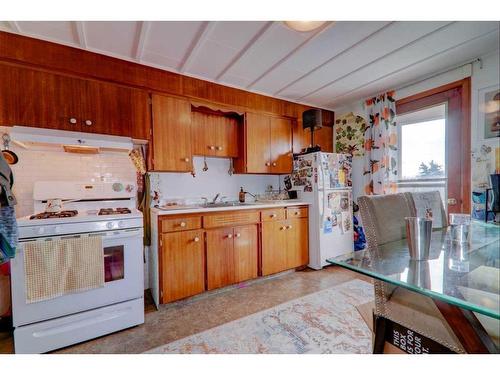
(123, 233)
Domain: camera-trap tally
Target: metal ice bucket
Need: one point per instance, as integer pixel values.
(418, 235)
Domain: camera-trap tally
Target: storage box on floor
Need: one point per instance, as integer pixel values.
(366, 312)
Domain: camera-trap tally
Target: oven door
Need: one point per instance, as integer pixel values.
(124, 280)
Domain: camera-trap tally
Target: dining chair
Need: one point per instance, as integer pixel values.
(383, 217)
(430, 201)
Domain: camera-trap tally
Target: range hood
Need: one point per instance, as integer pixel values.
(68, 141)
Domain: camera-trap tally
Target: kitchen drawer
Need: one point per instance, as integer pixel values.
(230, 218)
(296, 212)
(273, 214)
(180, 223)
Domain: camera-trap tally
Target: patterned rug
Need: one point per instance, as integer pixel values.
(322, 322)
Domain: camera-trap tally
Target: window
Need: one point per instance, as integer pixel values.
(422, 150)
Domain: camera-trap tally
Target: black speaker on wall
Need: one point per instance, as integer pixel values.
(312, 119)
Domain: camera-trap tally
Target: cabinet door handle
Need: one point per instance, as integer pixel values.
(186, 160)
(282, 228)
(272, 215)
(289, 227)
(296, 213)
(88, 122)
(237, 235)
(211, 147)
(268, 164)
(219, 148)
(274, 164)
(229, 236)
(196, 239)
(72, 120)
(182, 224)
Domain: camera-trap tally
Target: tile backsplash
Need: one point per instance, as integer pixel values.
(50, 164)
(207, 184)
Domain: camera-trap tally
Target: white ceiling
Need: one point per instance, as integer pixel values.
(330, 67)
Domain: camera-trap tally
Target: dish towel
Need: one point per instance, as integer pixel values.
(8, 233)
(59, 267)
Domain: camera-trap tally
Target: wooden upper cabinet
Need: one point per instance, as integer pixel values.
(214, 135)
(116, 110)
(267, 143)
(322, 137)
(39, 99)
(257, 144)
(281, 145)
(171, 134)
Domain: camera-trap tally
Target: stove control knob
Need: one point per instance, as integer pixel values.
(121, 224)
(117, 186)
(40, 230)
(109, 225)
(57, 229)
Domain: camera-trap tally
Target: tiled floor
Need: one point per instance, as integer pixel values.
(174, 321)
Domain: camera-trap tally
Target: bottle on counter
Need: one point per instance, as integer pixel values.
(241, 195)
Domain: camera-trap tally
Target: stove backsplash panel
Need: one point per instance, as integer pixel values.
(35, 165)
(206, 184)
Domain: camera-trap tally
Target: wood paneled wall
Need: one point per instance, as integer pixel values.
(73, 61)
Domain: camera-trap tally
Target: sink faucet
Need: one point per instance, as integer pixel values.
(215, 198)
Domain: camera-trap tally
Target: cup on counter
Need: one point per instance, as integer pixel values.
(459, 219)
(460, 233)
(418, 235)
(460, 230)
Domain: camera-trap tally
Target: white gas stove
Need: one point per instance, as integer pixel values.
(106, 209)
(91, 207)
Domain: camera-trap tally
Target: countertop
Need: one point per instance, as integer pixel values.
(249, 206)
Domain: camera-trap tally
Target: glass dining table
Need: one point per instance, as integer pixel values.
(458, 277)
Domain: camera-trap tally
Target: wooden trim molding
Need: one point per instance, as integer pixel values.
(462, 109)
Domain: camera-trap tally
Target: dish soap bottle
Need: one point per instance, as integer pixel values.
(241, 195)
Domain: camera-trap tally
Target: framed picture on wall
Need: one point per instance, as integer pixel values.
(489, 111)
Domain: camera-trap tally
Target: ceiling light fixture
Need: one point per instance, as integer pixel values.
(304, 26)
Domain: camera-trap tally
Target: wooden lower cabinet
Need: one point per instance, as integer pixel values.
(298, 242)
(274, 247)
(207, 251)
(232, 255)
(246, 248)
(183, 265)
(220, 258)
(285, 245)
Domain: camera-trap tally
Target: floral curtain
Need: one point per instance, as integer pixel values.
(381, 145)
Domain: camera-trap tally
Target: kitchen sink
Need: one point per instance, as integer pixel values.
(224, 204)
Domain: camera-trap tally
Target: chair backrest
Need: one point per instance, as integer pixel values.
(383, 217)
(431, 200)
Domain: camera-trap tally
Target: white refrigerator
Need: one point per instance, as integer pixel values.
(324, 181)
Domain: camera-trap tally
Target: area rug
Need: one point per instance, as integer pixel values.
(322, 322)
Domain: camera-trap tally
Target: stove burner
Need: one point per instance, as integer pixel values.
(54, 215)
(114, 211)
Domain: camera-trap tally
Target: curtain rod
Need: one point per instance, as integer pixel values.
(477, 59)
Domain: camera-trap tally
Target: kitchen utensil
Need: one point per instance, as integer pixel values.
(418, 235)
(10, 156)
(231, 167)
(57, 204)
(205, 165)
